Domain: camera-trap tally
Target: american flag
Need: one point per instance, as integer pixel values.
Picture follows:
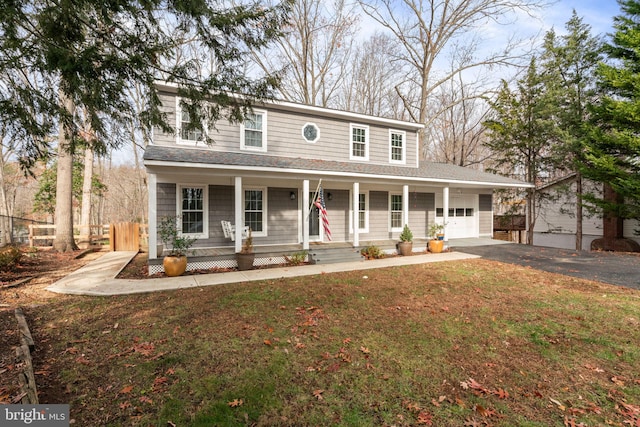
(323, 213)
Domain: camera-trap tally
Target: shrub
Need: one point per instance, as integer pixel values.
(406, 235)
(296, 259)
(9, 257)
(372, 252)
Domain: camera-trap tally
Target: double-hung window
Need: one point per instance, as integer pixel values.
(359, 142)
(395, 212)
(363, 213)
(255, 208)
(397, 147)
(192, 208)
(185, 135)
(253, 132)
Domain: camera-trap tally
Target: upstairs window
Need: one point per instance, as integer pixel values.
(253, 134)
(359, 142)
(184, 135)
(397, 146)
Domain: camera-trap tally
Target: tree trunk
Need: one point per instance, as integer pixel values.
(64, 195)
(85, 215)
(579, 219)
(612, 225)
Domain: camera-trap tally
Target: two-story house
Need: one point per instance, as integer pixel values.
(266, 172)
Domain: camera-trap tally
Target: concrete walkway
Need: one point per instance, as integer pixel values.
(98, 278)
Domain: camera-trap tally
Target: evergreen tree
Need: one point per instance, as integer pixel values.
(612, 151)
(520, 134)
(87, 53)
(569, 63)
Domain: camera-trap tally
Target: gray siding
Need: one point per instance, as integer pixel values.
(485, 212)
(338, 213)
(282, 217)
(421, 213)
(284, 136)
(378, 216)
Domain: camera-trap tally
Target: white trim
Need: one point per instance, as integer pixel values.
(391, 228)
(190, 165)
(179, 139)
(353, 126)
(263, 147)
(317, 130)
(355, 216)
(205, 209)
(404, 147)
(265, 214)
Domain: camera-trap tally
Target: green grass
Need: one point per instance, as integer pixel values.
(399, 347)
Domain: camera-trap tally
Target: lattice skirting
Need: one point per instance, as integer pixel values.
(207, 264)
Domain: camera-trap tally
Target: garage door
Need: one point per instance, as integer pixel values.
(463, 216)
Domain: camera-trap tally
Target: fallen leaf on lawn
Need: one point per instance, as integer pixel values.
(318, 394)
(82, 360)
(502, 394)
(145, 399)
(593, 368)
(72, 350)
(267, 342)
(126, 389)
(346, 340)
(365, 350)
(235, 403)
(558, 404)
(125, 405)
(425, 418)
(618, 381)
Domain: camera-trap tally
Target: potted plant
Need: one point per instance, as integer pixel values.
(405, 247)
(436, 233)
(246, 256)
(175, 262)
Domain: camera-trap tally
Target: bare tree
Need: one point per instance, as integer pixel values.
(427, 30)
(315, 52)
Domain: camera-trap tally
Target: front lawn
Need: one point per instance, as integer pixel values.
(444, 344)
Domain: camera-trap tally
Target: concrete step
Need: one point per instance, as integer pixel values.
(334, 255)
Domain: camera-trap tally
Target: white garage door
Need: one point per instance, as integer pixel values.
(463, 216)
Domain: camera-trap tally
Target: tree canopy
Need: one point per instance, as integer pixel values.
(612, 151)
(92, 52)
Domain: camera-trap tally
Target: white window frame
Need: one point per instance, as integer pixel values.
(205, 209)
(366, 213)
(353, 126)
(317, 133)
(265, 213)
(403, 160)
(179, 139)
(263, 147)
(391, 227)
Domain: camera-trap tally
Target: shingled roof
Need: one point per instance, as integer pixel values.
(427, 172)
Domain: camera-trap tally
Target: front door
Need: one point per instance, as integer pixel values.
(314, 221)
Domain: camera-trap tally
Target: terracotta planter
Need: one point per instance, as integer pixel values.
(174, 265)
(245, 261)
(436, 246)
(405, 248)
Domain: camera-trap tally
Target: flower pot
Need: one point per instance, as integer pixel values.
(245, 261)
(174, 265)
(436, 246)
(405, 248)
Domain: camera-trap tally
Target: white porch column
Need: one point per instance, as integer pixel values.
(152, 182)
(405, 204)
(237, 209)
(305, 215)
(445, 212)
(356, 214)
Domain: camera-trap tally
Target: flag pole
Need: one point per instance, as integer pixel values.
(313, 199)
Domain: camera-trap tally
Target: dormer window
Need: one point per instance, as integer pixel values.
(397, 146)
(359, 142)
(253, 132)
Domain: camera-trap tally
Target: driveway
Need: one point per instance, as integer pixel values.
(614, 268)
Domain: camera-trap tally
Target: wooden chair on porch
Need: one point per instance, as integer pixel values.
(229, 230)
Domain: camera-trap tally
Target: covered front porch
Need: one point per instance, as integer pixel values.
(273, 255)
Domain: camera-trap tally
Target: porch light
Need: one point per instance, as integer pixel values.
(292, 195)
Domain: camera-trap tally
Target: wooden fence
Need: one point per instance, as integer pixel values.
(116, 236)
